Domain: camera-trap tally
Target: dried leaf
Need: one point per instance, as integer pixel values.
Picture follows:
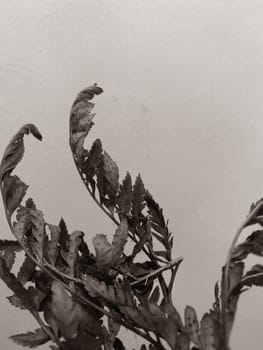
(125, 196)
(15, 149)
(14, 192)
(31, 339)
(70, 254)
(63, 234)
(26, 271)
(192, 325)
(111, 173)
(254, 277)
(13, 283)
(94, 159)
(209, 333)
(119, 240)
(138, 202)
(63, 314)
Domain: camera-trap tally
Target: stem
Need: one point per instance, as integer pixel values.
(158, 271)
(225, 276)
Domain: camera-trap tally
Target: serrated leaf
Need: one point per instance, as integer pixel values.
(145, 237)
(13, 283)
(81, 119)
(192, 325)
(138, 202)
(125, 195)
(15, 149)
(31, 339)
(38, 232)
(26, 270)
(119, 240)
(159, 225)
(111, 173)
(94, 159)
(71, 252)
(63, 238)
(14, 192)
(15, 301)
(9, 255)
(209, 333)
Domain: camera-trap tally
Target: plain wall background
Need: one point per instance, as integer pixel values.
(182, 105)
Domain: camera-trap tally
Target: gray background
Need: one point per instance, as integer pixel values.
(182, 105)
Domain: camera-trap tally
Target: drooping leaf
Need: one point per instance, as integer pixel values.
(65, 315)
(192, 325)
(63, 238)
(14, 192)
(26, 270)
(125, 196)
(81, 119)
(108, 254)
(209, 333)
(15, 149)
(31, 339)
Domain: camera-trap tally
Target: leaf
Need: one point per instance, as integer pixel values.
(235, 274)
(94, 159)
(119, 240)
(154, 298)
(108, 254)
(70, 254)
(209, 333)
(159, 225)
(9, 255)
(192, 325)
(14, 192)
(15, 149)
(13, 283)
(125, 195)
(26, 271)
(31, 339)
(252, 245)
(138, 201)
(254, 277)
(183, 342)
(145, 235)
(15, 301)
(63, 314)
(104, 252)
(81, 119)
(111, 173)
(63, 238)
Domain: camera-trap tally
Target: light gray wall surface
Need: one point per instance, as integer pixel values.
(182, 105)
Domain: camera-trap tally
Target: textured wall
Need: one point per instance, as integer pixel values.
(182, 105)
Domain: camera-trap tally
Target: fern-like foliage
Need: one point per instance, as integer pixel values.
(81, 296)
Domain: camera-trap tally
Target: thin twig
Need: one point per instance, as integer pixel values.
(158, 271)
